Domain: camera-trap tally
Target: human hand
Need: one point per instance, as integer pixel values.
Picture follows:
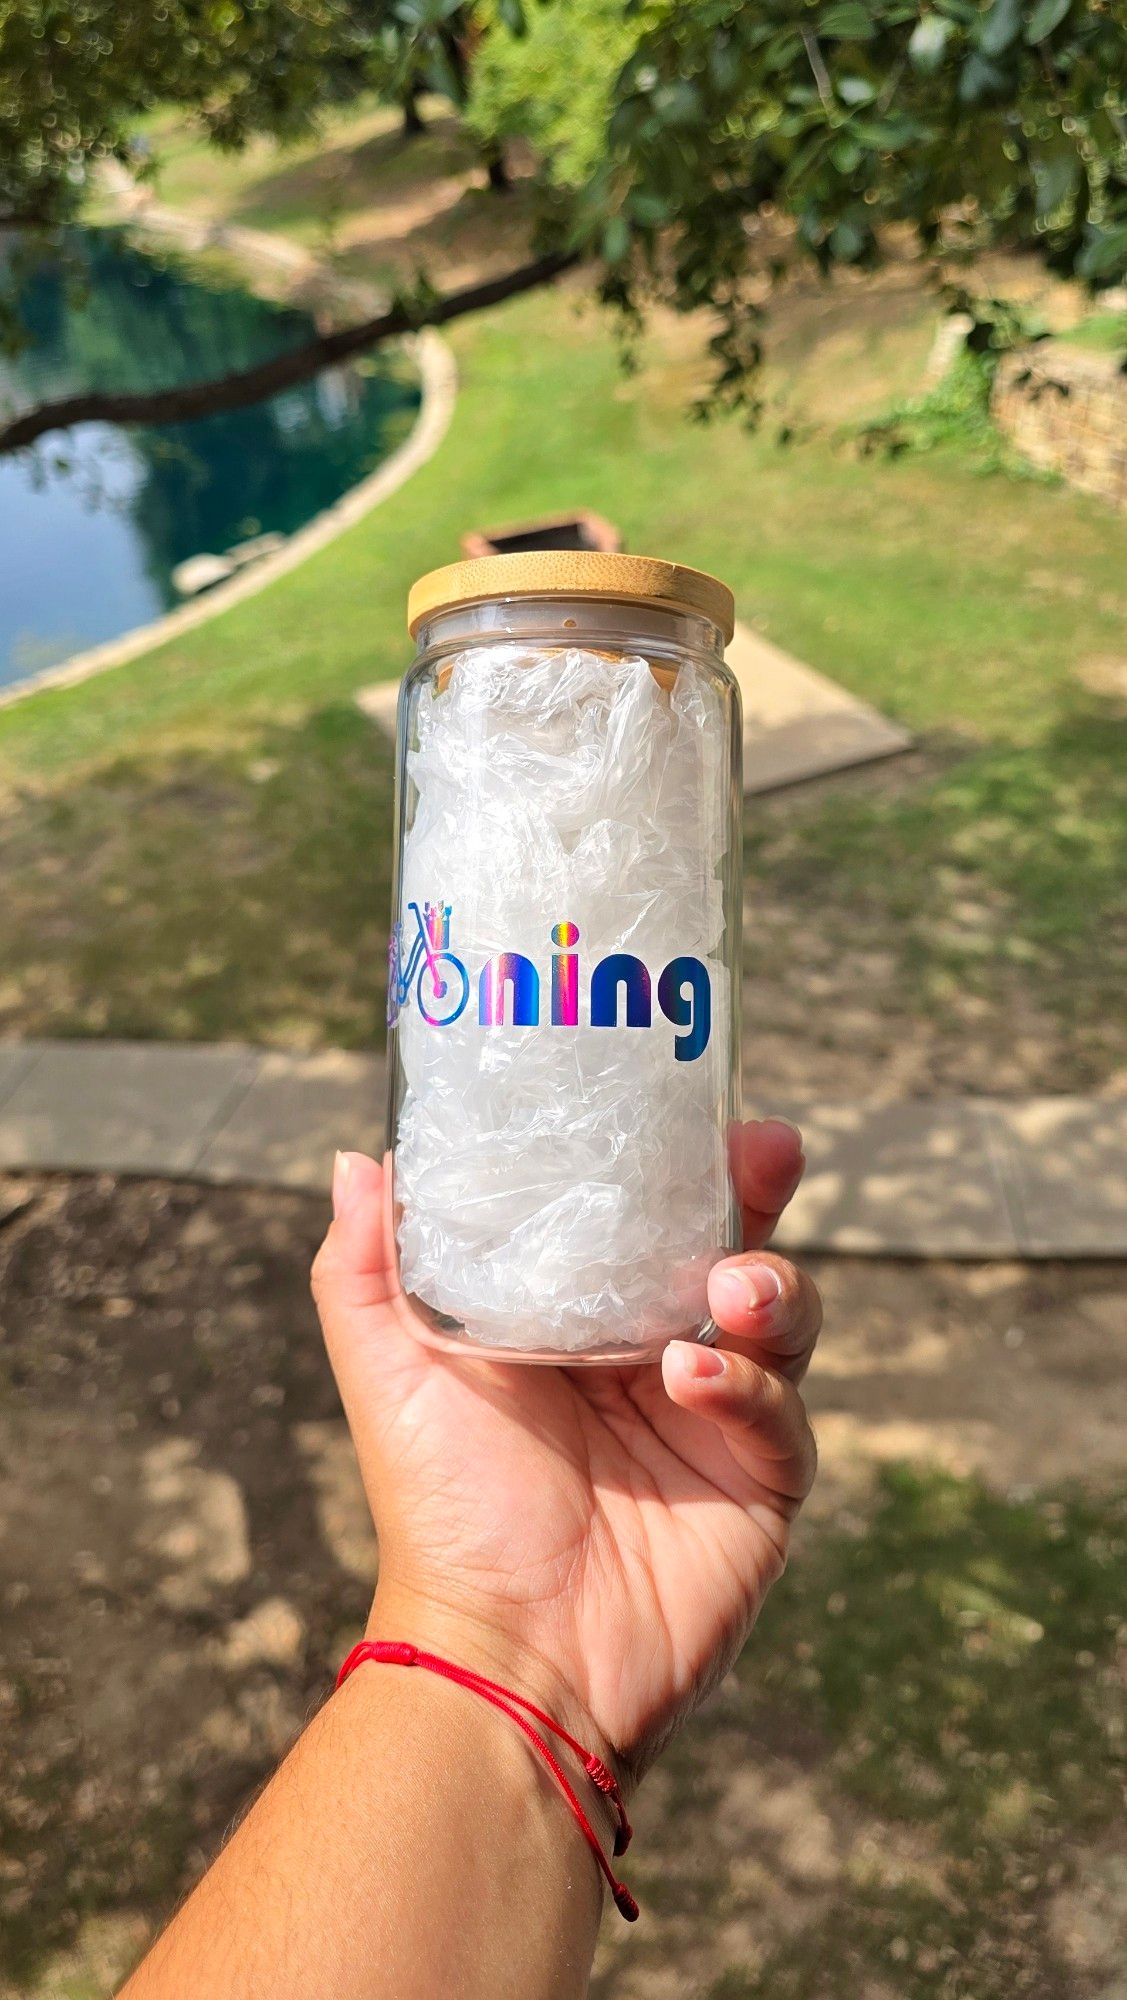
(600, 1537)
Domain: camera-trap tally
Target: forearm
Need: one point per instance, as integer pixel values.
(411, 1844)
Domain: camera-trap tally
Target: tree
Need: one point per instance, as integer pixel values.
(403, 47)
(75, 75)
(690, 150)
(743, 139)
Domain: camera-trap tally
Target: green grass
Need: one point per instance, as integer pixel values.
(944, 1664)
(1106, 331)
(198, 177)
(954, 413)
(337, 178)
(158, 886)
(960, 1655)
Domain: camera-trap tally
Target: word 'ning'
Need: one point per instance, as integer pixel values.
(509, 986)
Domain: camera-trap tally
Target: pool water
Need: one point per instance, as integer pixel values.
(94, 521)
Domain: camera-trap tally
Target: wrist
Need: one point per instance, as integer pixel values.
(484, 1644)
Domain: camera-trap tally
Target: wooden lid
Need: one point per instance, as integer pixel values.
(572, 573)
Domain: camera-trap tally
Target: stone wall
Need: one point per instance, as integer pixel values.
(1067, 410)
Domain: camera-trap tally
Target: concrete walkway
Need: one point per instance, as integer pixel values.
(961, 1177)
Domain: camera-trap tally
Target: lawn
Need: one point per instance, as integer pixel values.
(298, 187)
(196, 844)
(354, 191)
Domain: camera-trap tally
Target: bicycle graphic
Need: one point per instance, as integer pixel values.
(442, 984)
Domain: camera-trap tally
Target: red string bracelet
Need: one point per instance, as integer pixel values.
(399, 1653)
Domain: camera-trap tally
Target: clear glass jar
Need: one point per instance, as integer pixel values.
(563, 994)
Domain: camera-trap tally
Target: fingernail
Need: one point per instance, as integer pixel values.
(342, 1167)
(707, 1361)
(748, 1288)
(791, 1181)
(774, 1119)
(697, 1362)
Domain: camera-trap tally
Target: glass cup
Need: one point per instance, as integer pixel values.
(563, 994)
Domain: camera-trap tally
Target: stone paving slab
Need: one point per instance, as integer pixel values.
(917, 1179)
(125, 1107)
(960, 1177)
(16, 1058)
(797, 724)
(1064, 1160)
(298, 1110)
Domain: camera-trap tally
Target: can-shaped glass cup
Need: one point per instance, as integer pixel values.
(563, 982)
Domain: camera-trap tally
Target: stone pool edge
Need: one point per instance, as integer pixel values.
(439, 383)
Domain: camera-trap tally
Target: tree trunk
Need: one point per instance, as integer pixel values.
(494, 157)
(413, 120)
(454, 51)
(456, 47)
(282, 371)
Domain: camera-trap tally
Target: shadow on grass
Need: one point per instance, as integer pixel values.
(1005, 866)
(921, 1749)
(383, 168)
(473, 230)
(241, 892)
(185, 895)
(955, 1650)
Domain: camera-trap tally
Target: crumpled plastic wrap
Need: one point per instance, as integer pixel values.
(565, 1188)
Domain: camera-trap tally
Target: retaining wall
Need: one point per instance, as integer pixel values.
(1067, 410)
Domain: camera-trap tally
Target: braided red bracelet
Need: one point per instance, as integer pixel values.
(398, 1653)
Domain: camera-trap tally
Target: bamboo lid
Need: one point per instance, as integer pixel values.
(572, 573)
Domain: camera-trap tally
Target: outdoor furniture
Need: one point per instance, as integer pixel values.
(580, 530)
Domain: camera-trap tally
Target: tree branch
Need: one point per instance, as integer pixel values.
(269, 378)
(821, 73)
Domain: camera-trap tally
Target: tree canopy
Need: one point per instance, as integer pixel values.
(689, 150)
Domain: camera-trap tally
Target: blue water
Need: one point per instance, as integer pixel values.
(93, 521)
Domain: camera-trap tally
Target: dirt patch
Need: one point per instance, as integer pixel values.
(1010, 1372)
(186, 1555)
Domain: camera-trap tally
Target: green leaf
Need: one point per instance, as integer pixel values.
(1104, 257)
(888, 135)
(846, 21)
(1046, 15)
(1055, 176)
(849, 241)
(1000, 28)
(677, 103)
(928, 42)
(512, 16)
(980, 79)
(846, 155)
(723, 64)
(781, 51)
(616, 239)
(855, 90)
(649, 210)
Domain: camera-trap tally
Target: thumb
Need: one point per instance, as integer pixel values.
(354, 1270)
(355, 1280)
